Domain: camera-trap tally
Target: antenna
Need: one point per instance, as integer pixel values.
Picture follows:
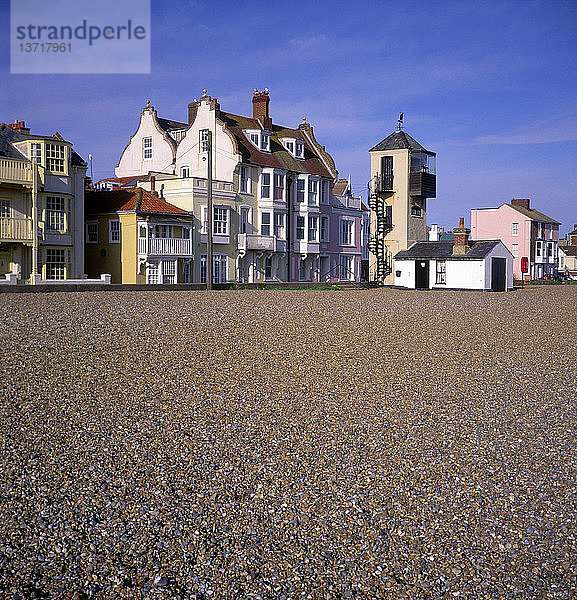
(401, 117)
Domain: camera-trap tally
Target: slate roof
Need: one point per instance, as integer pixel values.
(9, 136)
(340, 187)
(127, 199)
(168, 124)
(278, 157)
(399, 140)
(534, 214)
(444, 250)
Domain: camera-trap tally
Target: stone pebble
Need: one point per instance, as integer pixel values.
(288, 444)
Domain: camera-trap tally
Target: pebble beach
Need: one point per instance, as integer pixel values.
(304, 444)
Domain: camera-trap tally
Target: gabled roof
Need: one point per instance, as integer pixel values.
(444, 250)
(569, 250)
(128, 199)
(278, 157)
(534, 214)
(399, 140)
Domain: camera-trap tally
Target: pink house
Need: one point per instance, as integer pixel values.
(526, 232)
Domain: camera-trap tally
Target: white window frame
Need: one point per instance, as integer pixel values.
(346, 267)
(313, 230)
(267, 267)
(147, 148)
(220, 220)
(55, 269)
(300, 228)
(264, 142)
(515, 250)
(515, 229)
(244, 180)
(92, 232)
(265, 223)
(313, 190)
(265, 185)
(36, 153)
(324, 191)
(56, 158)
(5, 208)
(441, 272)
(324, 228)
(219, 268)
(299, 149)
(185, 171)
(301, 187)
(114, 232)
(347, 237)
(278, 178)
(55, 214)
(279, 225)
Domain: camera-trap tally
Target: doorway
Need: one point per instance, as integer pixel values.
(422, 274)
(498, 274)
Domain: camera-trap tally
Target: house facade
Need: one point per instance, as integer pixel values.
(461, 264)
(42, 184)
(276, 216)
(531, 236)
(403, 177)
(568, 255)
(137, 237)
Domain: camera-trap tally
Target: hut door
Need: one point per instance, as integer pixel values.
(422, 274)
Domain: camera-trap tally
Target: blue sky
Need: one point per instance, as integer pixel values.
(489, 86)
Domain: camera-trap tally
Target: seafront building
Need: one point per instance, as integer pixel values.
(403, 177)
(42, 183)
(531, 236)
(280, 212)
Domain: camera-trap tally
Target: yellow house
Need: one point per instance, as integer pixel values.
(41, 205)
(137, 237)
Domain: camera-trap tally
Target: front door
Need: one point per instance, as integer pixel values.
(5, 260)
(498, 274)
(324, 268)
(422, 274)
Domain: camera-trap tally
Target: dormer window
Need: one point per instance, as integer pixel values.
(299, 149)
(259, 139)
(265, 142)
(294, 146)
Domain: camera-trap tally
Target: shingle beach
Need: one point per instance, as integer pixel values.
(289, 444)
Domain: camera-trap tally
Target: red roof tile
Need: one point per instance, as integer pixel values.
(128, 199)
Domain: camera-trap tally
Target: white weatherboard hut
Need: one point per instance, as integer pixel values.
(464, 265)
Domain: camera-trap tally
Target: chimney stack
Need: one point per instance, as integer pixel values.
(522, 202)
(152, 183)
(260, 109)
(20, 127)
(461, 243)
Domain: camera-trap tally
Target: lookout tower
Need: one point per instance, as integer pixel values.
(403, 176)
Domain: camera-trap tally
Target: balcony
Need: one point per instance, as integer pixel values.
(16, 171)
(423, 184)
(264, 243)
(16, 230)
(165, 246)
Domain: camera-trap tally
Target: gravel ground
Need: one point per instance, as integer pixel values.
(288, 444)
